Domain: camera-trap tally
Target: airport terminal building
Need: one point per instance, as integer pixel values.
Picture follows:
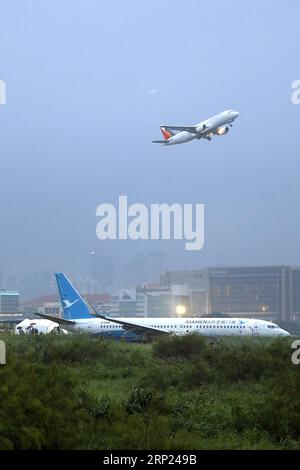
(270, 292)
(266, 292)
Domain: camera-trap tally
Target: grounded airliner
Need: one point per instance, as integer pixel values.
(216, 125)
(77, 318)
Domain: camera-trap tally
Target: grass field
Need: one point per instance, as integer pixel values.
(77, 392)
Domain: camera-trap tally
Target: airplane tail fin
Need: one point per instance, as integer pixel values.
(166, 132)
(74, 306)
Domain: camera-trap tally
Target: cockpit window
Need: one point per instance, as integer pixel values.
(271, 326)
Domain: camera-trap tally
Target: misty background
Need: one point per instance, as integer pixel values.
(88, 83)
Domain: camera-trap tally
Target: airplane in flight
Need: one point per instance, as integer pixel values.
(78, 318)
(216, 125)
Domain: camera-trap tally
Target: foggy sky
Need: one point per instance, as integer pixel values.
(89, 83)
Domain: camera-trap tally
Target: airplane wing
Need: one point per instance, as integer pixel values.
(129, 326)
(191, 129)
(133, 327)
(60, 321)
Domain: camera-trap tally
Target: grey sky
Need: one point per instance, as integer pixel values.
(81, 113)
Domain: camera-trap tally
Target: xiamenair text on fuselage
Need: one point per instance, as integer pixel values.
(216, 125)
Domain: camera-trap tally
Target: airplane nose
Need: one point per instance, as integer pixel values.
(236, 114)
(285, 333)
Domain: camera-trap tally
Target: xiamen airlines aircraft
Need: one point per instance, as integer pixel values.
(216, 125)
(77, 318)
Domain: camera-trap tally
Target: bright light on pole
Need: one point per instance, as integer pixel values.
(180, 310)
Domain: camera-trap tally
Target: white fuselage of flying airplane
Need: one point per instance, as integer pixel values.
(125, 327)
(216, 125)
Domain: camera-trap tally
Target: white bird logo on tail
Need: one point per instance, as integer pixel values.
(68, 304)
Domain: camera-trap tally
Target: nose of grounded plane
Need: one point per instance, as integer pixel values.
(284, 333)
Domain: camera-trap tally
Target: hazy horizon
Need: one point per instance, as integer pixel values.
(88, 85)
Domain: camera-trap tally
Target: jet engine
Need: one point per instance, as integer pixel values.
(222, 130)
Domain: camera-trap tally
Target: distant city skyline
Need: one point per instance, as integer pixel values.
(103, 272)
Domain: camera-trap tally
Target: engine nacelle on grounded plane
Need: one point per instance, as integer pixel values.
(222, 130)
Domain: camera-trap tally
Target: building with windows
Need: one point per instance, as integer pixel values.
(9, 307)
(190, 289)
(153, 300)
(127, 303)
(294, 293)
(266, 292)
(9, 301)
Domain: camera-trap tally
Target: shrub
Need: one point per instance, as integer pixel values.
(186, 346)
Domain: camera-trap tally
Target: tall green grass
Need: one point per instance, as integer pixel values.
(78, 392)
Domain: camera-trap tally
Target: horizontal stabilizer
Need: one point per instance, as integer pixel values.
(164, 142)
(191, 129)
(60, 321)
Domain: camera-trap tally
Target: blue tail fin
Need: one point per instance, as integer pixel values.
(73, 304)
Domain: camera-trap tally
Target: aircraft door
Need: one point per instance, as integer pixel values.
(255, 331)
